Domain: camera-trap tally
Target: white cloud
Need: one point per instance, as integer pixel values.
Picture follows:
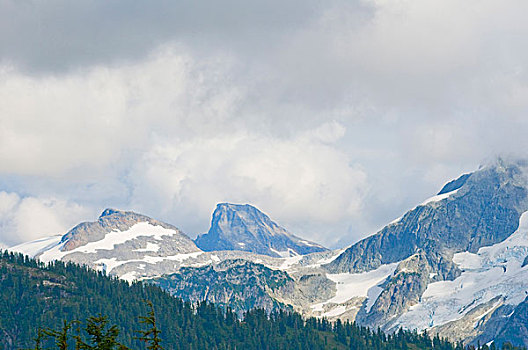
(84, 122)
(27, 218)
(290, 110)
(329, 132)
(291, 179)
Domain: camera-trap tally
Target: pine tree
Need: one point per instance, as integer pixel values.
(151, 336)
(100, 337)
(61, 337)
(38, 339)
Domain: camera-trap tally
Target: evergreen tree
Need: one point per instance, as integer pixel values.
(151, 335)
(100, 336)
(61, 336)
(38, 339)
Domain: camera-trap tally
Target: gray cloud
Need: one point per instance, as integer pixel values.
(172, 107)
(62, 35)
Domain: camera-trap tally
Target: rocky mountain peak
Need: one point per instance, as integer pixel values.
(472, 211)
(112, 220)
(246, 228)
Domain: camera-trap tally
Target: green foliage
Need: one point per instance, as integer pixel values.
(61, 336)
(100, 336)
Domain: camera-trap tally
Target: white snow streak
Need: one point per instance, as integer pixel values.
(350, 285)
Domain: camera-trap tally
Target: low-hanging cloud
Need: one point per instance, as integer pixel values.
(291, 179)
(29, 218)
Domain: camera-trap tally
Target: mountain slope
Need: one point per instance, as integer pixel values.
(238, 284)
(33, 295)
(456, 264)
(112, 220)
(484, 210)
(245, 228)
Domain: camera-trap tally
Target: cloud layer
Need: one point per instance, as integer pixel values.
(332, 117)
(29, 218)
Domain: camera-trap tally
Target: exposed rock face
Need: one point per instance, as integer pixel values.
(123, 243)
(485, 210)
(245, 228)
(477, 210)
(239, 284)
(506, 324)
(455, 184)
(401, 290)
(242, 285)
(118, 220)
(525, 262)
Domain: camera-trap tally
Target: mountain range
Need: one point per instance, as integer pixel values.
(455, 265)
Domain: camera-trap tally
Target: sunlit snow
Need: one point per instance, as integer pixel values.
(350, 285)
(493, 271)
(110, 240)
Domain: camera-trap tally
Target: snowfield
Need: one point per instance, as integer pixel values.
(351, 285)
(493, 271)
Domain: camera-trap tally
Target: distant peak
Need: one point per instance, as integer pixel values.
(110, 211)
(244, 227)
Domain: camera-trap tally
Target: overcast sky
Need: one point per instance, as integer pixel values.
(333, 117)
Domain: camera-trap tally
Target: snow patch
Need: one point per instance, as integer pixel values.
(351, 285)
(372, 295)
(113, 238)
(109, 241)
(177, 257)
(310, 244)
(109, 264)
(285, 253)
(365, 284)
(433, 199)
(288, 262)
(129, 277)
(341, 309)
(493, 271)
